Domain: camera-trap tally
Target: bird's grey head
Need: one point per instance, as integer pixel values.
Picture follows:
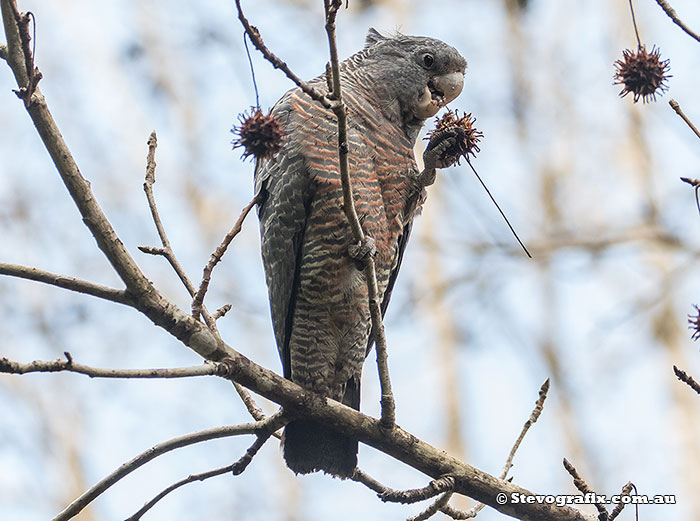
(415, 76)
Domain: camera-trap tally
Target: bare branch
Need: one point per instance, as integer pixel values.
(583, 487)
(257, 40)
(534, 416)
(221, 311)
(66, 282)
(675, 106)
(68, 365)
(167, 251)
(3, 51)
(198, 297)
(434, 508)
(361, 477)
(686, 378)
(387, 399)
(462, 514)
(432, 489)
(235, 468)
(161, 448)
(626, 490)
(673, 16)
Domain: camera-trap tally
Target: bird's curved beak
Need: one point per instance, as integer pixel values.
(439, 92)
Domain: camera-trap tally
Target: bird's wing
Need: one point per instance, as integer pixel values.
(401, 247)
(283, 182)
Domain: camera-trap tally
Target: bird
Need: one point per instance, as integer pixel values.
(313, 268)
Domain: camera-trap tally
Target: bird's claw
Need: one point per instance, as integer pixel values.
(441, 143)
(362, 250)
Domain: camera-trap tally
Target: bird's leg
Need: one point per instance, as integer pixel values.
(432, 157)
(362, 250)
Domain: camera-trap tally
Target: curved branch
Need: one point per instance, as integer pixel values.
(236, 468)
(64, 281)
(673, 16)
(159, 449)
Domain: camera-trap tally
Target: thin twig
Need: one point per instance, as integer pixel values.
(675, 106)
(68, 365)
(462, 514)
(432, 489)
(257, 40)
(686, 378)
(155, 451)
(673, 16)
(388, 407)
(189, 479)
(361, 477)
(626, 490)
(222, 311)
(166, 250)
(198, 297)
(634, 22)
(236, 469)
(66, 282)
(695, 183)
(534, 416)
(583, 487)
(434, 508)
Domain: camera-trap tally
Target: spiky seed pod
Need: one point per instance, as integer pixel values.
(462, 128)
(259, 135)
(642, 73)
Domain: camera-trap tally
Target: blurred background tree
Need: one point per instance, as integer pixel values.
(589, 180)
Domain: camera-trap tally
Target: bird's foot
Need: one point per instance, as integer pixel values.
(362, 251)
(435, 155)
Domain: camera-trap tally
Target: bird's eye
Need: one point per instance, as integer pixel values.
(428, 60)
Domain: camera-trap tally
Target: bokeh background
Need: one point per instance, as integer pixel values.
(589, 180)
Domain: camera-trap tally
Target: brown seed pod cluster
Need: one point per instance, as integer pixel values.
(463, 130)
(642, 73)
(259, 135)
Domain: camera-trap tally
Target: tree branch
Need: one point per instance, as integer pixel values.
(64, 281)
(146, 298)
(68, 365)
(687, 379)
(257, 40)
(235, 468)
(161, 448)
(167, 251)
(198, 297)
(395, 442)
(673, 16)
(675, 106)
(388, 405)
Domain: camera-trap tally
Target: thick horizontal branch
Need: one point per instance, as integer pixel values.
(68, 365)
(66, 282)
(397, 442)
